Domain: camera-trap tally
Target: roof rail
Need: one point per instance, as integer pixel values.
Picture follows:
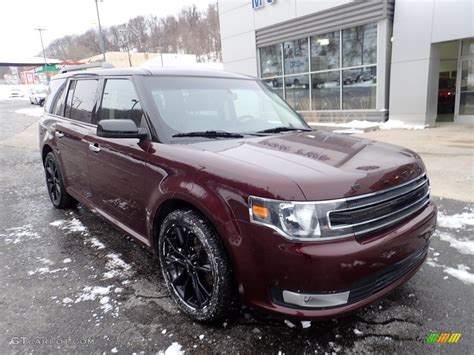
(102, 65)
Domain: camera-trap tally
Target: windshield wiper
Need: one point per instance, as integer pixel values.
(283, 129)
(210, 134)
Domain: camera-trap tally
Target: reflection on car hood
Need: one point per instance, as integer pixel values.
(324, 165)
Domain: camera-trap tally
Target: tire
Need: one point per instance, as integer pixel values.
(203, 266)
(55, 184)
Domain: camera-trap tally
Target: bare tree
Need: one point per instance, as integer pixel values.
(191, 32)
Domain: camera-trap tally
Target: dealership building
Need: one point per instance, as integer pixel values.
(342, 60)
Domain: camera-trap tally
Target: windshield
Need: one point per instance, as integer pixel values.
(197, 104)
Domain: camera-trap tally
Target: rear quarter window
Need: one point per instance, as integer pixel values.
(54, 93)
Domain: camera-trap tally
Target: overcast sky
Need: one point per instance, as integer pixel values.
(19, 18)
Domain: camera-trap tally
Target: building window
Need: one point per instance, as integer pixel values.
(270, 61)
(296, 56)
(358, 91)
(326, 90)
(340, 66)
(297, 91)
(359, 45)
(325, 51)
(276, 84)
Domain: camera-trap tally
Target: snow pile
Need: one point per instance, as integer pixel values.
(173, 349)
(456, 221)
(357, 126)
(34, 111)
(19, 234)
(396, 124)
(116, 267)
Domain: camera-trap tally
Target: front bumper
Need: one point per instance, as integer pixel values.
(328, 279)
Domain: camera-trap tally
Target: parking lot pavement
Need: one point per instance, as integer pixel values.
(71, 283)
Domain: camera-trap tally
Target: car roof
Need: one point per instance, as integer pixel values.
(143, 71)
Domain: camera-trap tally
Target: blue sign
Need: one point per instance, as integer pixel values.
(258, 4)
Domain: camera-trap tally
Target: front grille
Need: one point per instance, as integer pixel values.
(380, 210)
(378, 281)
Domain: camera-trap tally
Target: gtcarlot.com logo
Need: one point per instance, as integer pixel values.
(443, 338)
(50, 341)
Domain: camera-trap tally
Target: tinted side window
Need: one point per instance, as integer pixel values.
(54, 92)
(120, 101)
(82, 103)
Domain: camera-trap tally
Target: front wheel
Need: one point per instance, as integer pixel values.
(195, 267)
(55, 184)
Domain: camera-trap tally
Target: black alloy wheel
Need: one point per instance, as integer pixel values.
(195, 267)
(54, 183)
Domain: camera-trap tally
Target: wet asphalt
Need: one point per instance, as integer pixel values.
(80, 286)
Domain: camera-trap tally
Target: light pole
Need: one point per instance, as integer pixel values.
(40, 30)
(102, 43)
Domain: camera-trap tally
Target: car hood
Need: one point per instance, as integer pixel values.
(324, 165)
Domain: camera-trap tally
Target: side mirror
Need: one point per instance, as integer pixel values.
(120, 129)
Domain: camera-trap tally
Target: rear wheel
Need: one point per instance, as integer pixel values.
(55, 184)
(195, 267)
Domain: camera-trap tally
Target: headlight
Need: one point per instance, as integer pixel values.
(302, 221)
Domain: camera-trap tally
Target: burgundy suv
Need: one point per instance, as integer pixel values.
(237, 196)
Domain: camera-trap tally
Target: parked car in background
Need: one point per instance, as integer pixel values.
(240, 199)
(16, 93)
(38, 95)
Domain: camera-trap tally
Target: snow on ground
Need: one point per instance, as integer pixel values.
(395, 124)
(19, 234)
(100, 293)
(46, 270)
(34, 111)
(96, 243)
(464, 246)
(70, 225)
(456, 221)
(461, 272)
(173, 349)
(116, 267)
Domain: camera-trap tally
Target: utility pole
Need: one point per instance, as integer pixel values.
(102, 43)
(40, 30)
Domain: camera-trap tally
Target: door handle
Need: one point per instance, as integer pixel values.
(94, 147)
(59, 134)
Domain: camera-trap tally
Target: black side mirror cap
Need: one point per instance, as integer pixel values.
(120, 129)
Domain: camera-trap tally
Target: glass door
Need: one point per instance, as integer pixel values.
(465, 95)
(466, 92)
